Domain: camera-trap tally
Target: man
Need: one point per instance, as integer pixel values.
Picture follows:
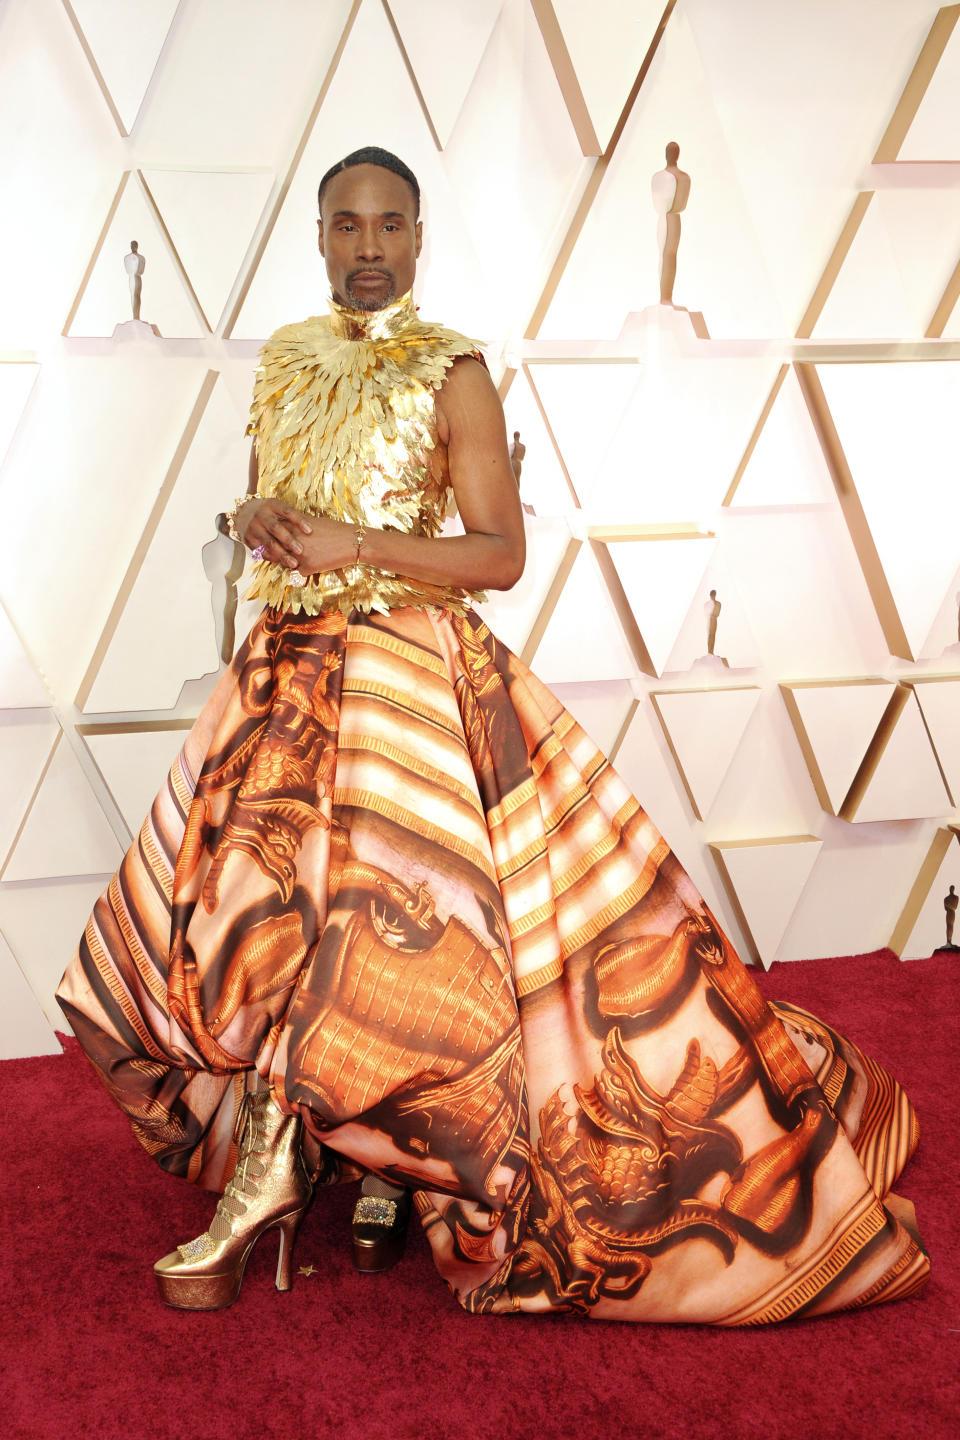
(370, 236)
(392, 906)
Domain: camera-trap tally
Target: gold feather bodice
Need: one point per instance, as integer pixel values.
(345, 425)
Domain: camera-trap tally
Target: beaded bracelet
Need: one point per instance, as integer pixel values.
(231, 516)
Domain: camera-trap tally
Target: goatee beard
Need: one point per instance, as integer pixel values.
(369, 302)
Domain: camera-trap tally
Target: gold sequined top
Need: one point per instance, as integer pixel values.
(345, 426)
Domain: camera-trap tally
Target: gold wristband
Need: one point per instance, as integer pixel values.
(361, 535)
(231, 516)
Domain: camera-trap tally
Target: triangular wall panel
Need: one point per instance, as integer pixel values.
(939, 701)
(721, 269)
(786, 465)
(857, 889)
(907, 783)
(512, 211)
(211, 217)
(765, 879)
(763, 67)
(835, 723)
(644, 760)
(600, 708)
(66, 831)
(20, 684)
(568, 392)
(238, 82)
(24, 1029)
(922, 925)
(584, 639)
(112, 426)
(734, 646)
(42, 925)
(900, 261)
(543, 483)
(16, 383)
(896, 424)
(59, 167)
(458, 33)
(25, 745)
(104, 300)
(951, 329)
(672, 437)
(943, 641)
(134, 763)
(123, 48)
(935, 131)
(806, 599)
(512, 614)
(680, 440)
(691, 719)
(606, 43)
(168, 612)
(661, 578)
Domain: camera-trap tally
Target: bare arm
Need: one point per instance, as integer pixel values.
(491, 553)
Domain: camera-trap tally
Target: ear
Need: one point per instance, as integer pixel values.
(320, 238)
(419, 235)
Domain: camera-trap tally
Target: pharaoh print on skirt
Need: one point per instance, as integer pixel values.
(390, 873)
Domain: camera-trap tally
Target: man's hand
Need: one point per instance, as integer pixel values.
(332, 545)
(277, 527)
(291, 539)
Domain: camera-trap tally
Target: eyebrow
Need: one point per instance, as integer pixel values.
(355, 215)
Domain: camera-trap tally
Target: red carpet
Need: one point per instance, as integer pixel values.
(89, 1351)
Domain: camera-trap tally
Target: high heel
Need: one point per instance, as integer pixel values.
(269, 1188)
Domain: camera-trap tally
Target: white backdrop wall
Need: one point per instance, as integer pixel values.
(801, 461)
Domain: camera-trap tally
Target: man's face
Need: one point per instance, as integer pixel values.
(369, 236)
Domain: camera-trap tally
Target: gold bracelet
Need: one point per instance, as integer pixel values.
(361, 535)
(231, 516)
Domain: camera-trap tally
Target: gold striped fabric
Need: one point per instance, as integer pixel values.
(393, 877)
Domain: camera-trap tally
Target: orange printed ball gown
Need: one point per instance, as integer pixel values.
(391, 874)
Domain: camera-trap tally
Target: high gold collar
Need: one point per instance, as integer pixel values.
(372, 324)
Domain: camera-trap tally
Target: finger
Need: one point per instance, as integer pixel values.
(293, 517)
(284, 535)
(279, 554)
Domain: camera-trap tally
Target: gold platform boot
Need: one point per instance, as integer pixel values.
(270, 1187)
(379, 1225)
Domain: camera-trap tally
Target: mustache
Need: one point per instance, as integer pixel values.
(370, 270)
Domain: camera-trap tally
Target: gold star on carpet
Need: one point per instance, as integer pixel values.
(307, 1270)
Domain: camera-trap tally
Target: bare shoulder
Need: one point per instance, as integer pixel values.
(468, 398)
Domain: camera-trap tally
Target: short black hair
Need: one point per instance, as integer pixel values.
(373, 155)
